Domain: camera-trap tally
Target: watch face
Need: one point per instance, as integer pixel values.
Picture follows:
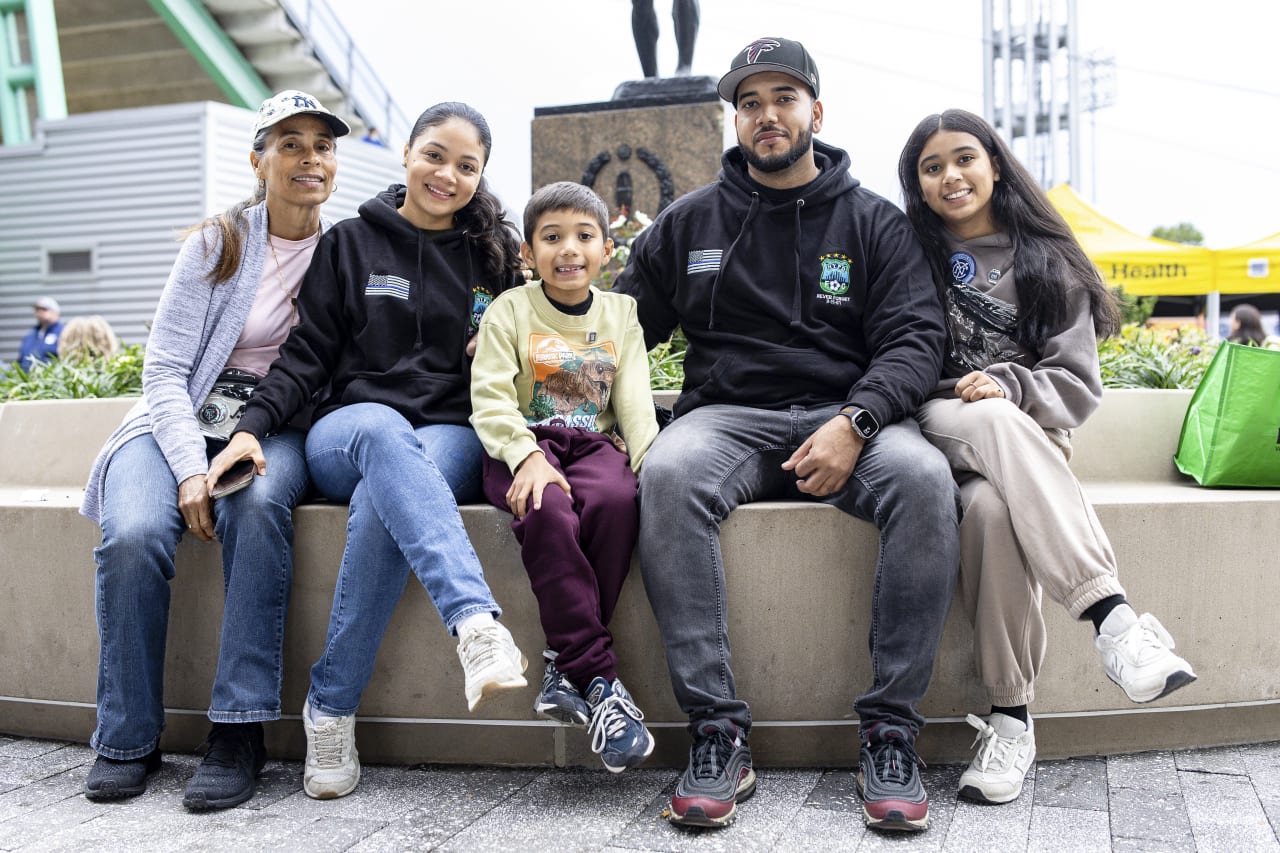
(865, 423)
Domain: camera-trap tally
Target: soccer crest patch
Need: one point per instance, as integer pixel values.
(833, 280)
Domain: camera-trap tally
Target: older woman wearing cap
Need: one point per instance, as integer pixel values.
(228, 305)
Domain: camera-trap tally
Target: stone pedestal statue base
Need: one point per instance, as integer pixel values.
(656, 140)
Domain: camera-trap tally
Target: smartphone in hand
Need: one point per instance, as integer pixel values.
(235, 478)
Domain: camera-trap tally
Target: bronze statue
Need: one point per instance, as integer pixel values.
(644, 26)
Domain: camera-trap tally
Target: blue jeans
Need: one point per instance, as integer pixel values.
(715, 458)
(403, 486)
(141, 526)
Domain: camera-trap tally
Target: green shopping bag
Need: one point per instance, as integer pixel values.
(1231, 433)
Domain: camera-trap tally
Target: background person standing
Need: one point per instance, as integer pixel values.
(41, 343)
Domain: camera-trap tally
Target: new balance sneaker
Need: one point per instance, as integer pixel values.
(889, 780)
(559, 700)
(333, 765)
(235, 755)
(1006, 751)
(112, 779)
(490, 661)
(1139, 656)
(617, 734)
(719, 776)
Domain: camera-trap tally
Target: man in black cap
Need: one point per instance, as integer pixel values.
(41, 342)
(814, 332)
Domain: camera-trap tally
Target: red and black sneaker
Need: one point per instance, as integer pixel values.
(889, 780)
(719, 776)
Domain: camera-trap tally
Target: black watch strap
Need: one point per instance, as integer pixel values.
(863, 422)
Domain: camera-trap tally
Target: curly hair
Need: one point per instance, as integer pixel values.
(87, 337)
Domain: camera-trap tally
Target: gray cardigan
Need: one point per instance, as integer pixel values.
(196, 326)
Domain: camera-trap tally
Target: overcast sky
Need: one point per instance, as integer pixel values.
(1192, 137)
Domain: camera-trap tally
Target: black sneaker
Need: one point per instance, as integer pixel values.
(889, 780)
(559, 700)
(234, 757)
(110, 779)
(719, 776)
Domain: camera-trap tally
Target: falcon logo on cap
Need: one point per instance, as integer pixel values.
(758, 47)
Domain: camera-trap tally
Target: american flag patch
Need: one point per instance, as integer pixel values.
(704, 260)
(387, 285)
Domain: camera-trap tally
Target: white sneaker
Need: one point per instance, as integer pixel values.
(1006, 751)
(333, 765)
(1141, 660)
(491, 662)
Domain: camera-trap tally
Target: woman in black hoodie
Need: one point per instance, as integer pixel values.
(392, 301)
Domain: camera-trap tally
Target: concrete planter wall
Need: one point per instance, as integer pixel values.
(799, 604)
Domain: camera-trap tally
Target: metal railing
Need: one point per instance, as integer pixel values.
(327, 38)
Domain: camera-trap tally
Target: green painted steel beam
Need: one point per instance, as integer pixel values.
(13, 108)
(46, 60)
(216, 53)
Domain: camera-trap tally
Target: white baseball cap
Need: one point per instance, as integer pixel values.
(291, 102)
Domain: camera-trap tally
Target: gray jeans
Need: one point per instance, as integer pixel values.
(715, 458)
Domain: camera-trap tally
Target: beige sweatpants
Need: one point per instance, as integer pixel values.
(1027, 524)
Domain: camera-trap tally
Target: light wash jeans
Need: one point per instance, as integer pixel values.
(141, 526)
(403, 486)
(715, 458)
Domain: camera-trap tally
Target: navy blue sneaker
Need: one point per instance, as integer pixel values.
(111, 779)
(889, 780)
(617, 735)
(719, 776)
(559, 700)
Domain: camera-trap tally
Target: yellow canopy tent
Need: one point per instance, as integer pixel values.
(1143, 266)
(1251, 268)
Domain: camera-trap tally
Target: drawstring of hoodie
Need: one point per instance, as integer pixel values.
(724, 263)
(797, 297)
(471, 281)
(422, 294)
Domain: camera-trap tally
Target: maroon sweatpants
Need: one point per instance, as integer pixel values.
(576, 549)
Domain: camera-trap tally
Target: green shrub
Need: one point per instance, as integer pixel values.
(1134, 309)
(1135, 358)
(1154, 358)
(666, 364)
(100, 376)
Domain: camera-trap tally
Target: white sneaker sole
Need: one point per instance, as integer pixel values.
(1178, 678)
(318, 791)
(975, 792)
(490, 689)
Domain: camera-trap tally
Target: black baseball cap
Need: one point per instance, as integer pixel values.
(769, 54)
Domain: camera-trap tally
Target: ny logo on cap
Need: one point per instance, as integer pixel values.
(302, 102)
(758, 47)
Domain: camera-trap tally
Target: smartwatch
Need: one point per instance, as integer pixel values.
(863, 422)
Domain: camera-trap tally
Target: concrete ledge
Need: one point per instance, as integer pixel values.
(1185, 553)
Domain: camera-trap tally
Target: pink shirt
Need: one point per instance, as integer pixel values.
(274, 311)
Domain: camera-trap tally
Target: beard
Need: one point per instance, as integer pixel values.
(782, 160)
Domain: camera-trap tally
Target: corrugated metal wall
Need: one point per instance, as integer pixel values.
(124, 183)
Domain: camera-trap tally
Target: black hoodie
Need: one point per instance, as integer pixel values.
(385, 313)
(809, 296)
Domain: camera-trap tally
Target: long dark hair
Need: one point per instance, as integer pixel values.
(483, 218)
(1047, 257)
(230, 225)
